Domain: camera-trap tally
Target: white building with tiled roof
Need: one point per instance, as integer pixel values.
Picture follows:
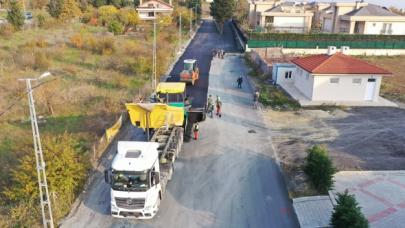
(149, 10)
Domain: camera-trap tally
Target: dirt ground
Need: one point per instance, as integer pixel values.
(357, 139)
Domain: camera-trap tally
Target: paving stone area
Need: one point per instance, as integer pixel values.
(313, 211)
(381, 194)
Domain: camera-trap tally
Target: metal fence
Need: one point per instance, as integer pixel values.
(399, 44)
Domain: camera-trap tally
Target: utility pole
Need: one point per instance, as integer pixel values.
(154, 54)
(47, 218)
(180, 35)
(191, 21)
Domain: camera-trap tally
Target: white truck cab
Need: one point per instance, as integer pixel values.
(134, 179)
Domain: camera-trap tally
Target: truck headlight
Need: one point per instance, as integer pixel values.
(114, 207)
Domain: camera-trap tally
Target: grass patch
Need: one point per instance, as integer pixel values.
(270, 95)
(276, 98)
(392, 87)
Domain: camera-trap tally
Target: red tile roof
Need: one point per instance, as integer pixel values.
(337, 64)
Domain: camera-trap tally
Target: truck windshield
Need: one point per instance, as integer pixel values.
(130, 181)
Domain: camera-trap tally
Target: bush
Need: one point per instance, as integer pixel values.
(319, 169)
(322, 37)
(41, 61)
(77, 41)
(347, 213)
(70, 9)
(103, 45)
(55, 8)
(41, 20)
(6, 30)
(128, 17)
(107, 13)
(115, 27)
(15, 15)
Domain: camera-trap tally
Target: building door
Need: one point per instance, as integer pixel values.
(370, 88)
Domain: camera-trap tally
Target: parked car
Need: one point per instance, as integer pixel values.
(28, 16)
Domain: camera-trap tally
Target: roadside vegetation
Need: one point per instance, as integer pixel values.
(100, 58)
(270, 95)
(347, 213)
(319, 168)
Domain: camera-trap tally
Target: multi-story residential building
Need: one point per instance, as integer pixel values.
(292, 17)
(149, 10)
(360, 18)
(258, 6)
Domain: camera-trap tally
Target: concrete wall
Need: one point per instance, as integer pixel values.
(264, 67)
(376, 52)
(398, 28)
(303, 81)
(345, 90)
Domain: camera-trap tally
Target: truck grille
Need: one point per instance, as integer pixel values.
(130, 203)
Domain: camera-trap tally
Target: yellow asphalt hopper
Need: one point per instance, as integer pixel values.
(155, 115)
(171, 87)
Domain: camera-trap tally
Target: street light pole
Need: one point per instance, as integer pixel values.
(191, 21)
(180, 35)
(154, 55)
(46, 209)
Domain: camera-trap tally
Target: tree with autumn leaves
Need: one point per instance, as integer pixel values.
(66, 174)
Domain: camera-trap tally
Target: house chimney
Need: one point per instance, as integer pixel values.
(345, 50)
(140, 2)
(171, 2)
(331, 50)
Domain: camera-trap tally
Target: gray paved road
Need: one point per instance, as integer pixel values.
(228, 178)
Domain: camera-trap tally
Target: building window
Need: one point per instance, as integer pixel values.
(356, 80)
(150, 6)
(287, 74)
(151, 14)
(371, 80)
(269, 20)
(334, 80)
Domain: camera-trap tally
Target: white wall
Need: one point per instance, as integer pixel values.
(289, 21)
(398, 28)
(345, 90)
(303, 81)
(281, 74)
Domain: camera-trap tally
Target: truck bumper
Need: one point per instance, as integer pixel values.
(135, 214)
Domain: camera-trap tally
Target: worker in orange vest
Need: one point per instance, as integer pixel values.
(196, 128)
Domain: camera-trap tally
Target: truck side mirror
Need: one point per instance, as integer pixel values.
(156, 178)
(107, 176)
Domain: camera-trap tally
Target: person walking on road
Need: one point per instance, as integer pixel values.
(256, 96)
(218, 103)
(196, 128)
(240, 81)
(210, 106)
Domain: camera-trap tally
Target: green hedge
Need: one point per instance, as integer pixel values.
(323, 37)
(325, 44)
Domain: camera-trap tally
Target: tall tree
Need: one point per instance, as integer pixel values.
(55, 7)
(70, 9)
(347, 213)
(222, 10)
(15, 15)
(66, 173)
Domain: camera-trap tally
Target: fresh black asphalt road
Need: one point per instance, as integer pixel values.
(200, 49)
(227, 178)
